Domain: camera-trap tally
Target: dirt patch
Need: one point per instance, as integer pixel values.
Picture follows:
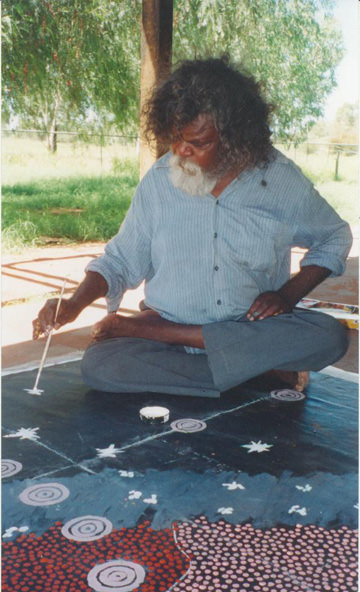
(58, 211)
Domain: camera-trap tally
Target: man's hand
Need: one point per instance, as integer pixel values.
(92, 287)
(268, 304)
(68, 312)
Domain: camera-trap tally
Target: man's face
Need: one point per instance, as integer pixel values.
(193, 165)
(198, 143)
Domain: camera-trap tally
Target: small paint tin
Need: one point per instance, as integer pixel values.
(154, 414)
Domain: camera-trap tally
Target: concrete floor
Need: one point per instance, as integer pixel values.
(30, 278)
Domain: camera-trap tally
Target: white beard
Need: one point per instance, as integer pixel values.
(189, 177)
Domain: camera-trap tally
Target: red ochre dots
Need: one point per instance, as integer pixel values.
(224, 558)
(60, 565)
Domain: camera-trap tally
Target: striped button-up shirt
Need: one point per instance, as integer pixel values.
(205, 259)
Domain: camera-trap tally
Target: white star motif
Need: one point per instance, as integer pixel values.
(233, 485)
(257, 447)
(10, 531)
(298, 510)
(25, 434)
(304, 488)
(134, 494)
(225, 511)
(151, 500)
(109, 452)
(356, 506)
(129, 474)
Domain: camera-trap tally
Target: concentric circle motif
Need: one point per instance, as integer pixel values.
(287, 395)
(44, 494)
(86, 528)
(188, 425)
(116, 576)
(10, 467)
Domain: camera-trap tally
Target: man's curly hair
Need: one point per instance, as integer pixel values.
(214, 87)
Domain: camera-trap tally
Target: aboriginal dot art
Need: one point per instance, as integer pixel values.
(255, 491)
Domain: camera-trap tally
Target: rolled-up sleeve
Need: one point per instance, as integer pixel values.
(126, 261)
(320, 229)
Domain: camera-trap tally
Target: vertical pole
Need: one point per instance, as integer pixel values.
(156, 46)
(336, 176)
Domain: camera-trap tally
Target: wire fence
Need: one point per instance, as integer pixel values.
(105, 150)
(27, 150)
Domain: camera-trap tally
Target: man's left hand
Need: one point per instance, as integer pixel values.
(268, 304)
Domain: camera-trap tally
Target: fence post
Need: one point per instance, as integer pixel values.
(336, 176)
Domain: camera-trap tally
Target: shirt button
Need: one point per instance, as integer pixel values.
(215, 234)
(216, 267)
(218, 302)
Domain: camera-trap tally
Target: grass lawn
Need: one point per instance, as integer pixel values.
(80, 194)
(83, 192)
(319, 166)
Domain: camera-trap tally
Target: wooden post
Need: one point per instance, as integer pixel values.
(156, 46)
(336, 176)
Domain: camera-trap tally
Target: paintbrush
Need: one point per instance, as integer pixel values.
(35, 390)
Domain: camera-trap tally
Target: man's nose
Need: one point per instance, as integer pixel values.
(182, 149)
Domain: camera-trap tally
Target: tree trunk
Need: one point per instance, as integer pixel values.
(52, 134)
(52, 137)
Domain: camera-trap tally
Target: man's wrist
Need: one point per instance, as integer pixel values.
(289, 301)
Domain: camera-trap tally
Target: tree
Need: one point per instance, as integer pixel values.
(63, 60)
(345, 129)
(292, 46)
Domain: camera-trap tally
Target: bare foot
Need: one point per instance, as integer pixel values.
(290, 379)
(116, 325)
(302, 381)
(148, 324)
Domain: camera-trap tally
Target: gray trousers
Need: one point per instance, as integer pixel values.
(235, 351)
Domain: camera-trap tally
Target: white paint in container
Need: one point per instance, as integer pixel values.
(154, 414)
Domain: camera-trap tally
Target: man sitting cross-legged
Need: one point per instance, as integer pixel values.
(210, 231)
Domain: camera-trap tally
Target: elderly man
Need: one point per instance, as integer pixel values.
(210, 230)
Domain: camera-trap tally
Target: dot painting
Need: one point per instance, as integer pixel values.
(205, 557)
(183, 513)
(54, 563)
(242, 558)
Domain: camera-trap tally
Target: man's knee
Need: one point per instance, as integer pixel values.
(101, 362)
(335, 338)
(341, 339)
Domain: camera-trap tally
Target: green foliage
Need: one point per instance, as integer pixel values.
(62, 59)
(320, 167)
(292, 46)
(77, 209)
(346, 125)
(81, 209)
(77, 62)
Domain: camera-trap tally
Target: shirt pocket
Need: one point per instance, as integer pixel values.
(259, 241)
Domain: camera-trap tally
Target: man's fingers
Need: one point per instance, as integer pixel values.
(266, 305)
(271, 311)
(45, 321)
(257, 309)
(37, 330)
